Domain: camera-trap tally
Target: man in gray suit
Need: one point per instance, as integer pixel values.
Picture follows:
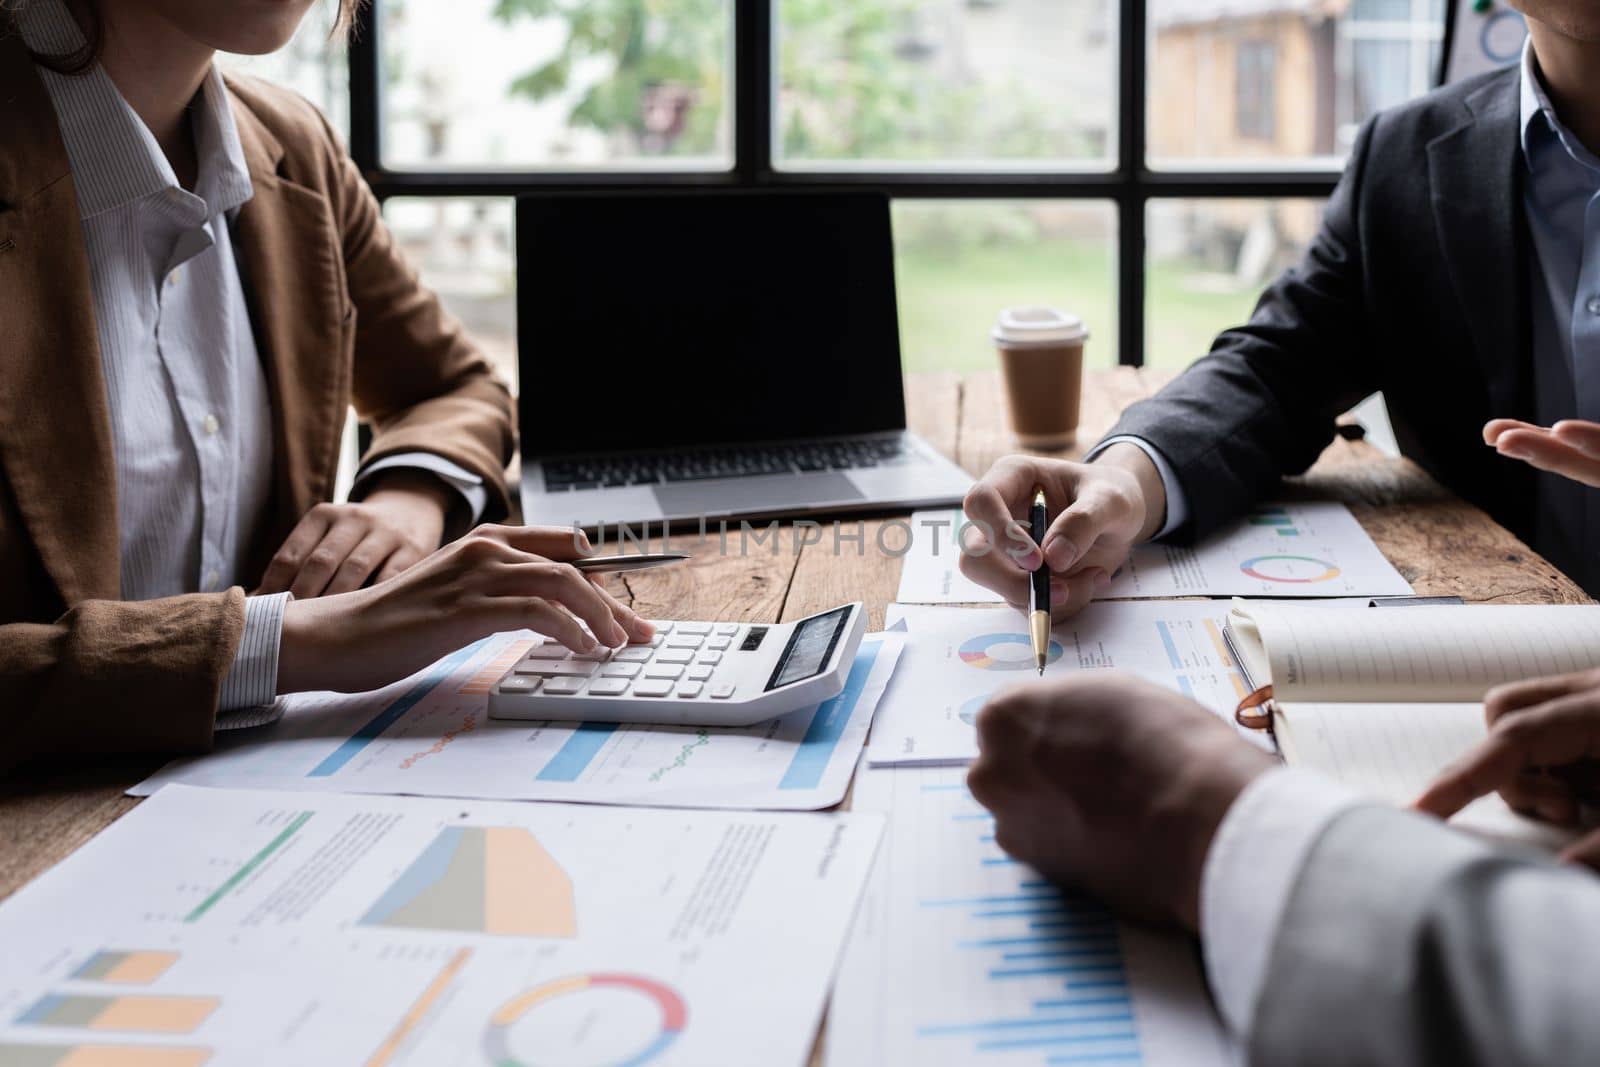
(1457, 269)
(1336, 931)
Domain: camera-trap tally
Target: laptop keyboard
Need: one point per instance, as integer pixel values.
(700, 464)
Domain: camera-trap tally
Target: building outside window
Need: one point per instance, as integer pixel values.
(1004, 131)
(1256, 96)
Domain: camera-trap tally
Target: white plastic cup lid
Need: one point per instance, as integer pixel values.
(1039, 326)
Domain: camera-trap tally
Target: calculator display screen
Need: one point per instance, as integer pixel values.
(810, 647)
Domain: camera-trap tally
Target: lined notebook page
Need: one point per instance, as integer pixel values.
(1443, 653)
(1393, 751)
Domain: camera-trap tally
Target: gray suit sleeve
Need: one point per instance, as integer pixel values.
(1263, 402)
(1407, 944)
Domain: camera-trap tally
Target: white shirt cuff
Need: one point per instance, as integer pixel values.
(1250, 873)
(1177, 503)
(463, 481)
(253, 678)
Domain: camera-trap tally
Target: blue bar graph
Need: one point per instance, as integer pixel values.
(1172, 648)
(1004, 1025)
(1076, 1002)
(1065, 968)
(1121, 1033)
(827, 725)
(335, 761)
(1062, 953)
(1045, 907)
(961, 902)
(1044, 939)
(1088, 1059)
(574, 757)
(1045, 970)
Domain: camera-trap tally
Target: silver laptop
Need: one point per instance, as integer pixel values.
(706, 356)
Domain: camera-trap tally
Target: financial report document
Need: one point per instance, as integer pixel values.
(209, 928)
(961, 955)
(957, 658)
(1295, 550)
(430, 735)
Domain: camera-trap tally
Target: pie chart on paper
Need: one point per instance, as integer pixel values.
(1295, 569)
(1004, 652)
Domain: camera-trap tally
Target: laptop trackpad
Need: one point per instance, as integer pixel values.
(775, 493)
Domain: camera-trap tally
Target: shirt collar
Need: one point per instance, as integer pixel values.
(1539, 119)
(115, 158)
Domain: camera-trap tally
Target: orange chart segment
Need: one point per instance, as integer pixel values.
(14, 1055)
(484, 680)
(133, 1014)
(482, 879)
(419, 1011)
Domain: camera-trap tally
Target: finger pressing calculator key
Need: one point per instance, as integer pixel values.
(753, 672)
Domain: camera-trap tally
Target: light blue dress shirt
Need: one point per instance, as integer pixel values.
(1561, 198)
(190, 410)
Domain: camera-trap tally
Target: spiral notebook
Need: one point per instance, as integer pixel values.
(1384, 700)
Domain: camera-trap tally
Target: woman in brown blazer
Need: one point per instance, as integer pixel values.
(195, 285)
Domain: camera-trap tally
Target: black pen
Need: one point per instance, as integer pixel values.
(615, 564)
(1039, 595)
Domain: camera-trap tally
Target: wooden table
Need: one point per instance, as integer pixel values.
(1442, 545)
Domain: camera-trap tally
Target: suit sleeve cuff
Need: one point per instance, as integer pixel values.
(463, 481)
(1177, 503)
(1249, 875)
(253, 678)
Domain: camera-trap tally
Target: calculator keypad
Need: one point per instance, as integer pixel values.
(681, 661)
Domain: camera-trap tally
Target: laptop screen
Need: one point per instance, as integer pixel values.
(655, 321)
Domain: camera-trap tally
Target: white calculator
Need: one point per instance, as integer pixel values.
(690, 673)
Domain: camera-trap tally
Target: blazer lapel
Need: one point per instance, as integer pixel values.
(1476, 177)
(288, 245)
(55, 426)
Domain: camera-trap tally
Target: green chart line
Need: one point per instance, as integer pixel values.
(244, 872)
(702, 737)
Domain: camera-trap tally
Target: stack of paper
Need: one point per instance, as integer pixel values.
(213, 926)
(221, 925)
(1314, 550)
(957, 658)
(430, 735)
(961, 955)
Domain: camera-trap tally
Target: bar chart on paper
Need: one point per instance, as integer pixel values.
(411, 932)
(963, 955)
(430, 735)
(17, 1054)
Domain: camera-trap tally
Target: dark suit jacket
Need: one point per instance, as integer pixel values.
(339, 318)
(1417, 284)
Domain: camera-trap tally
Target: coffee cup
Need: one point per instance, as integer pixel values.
(1041, 358)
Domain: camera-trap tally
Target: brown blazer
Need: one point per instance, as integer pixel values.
(339, 318)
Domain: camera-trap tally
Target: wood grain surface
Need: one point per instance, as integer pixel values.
(1441, 544)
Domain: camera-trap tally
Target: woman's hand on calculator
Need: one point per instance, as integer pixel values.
(496, 578)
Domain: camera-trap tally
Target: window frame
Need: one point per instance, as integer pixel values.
(1130, 185)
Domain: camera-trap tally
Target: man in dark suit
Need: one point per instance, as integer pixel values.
(1457, 269)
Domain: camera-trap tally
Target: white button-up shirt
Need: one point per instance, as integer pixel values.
(190, 410)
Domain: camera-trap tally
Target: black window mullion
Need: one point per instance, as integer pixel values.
(1132, 61)
(1130, 186)
(366, 146)
(753, 94)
